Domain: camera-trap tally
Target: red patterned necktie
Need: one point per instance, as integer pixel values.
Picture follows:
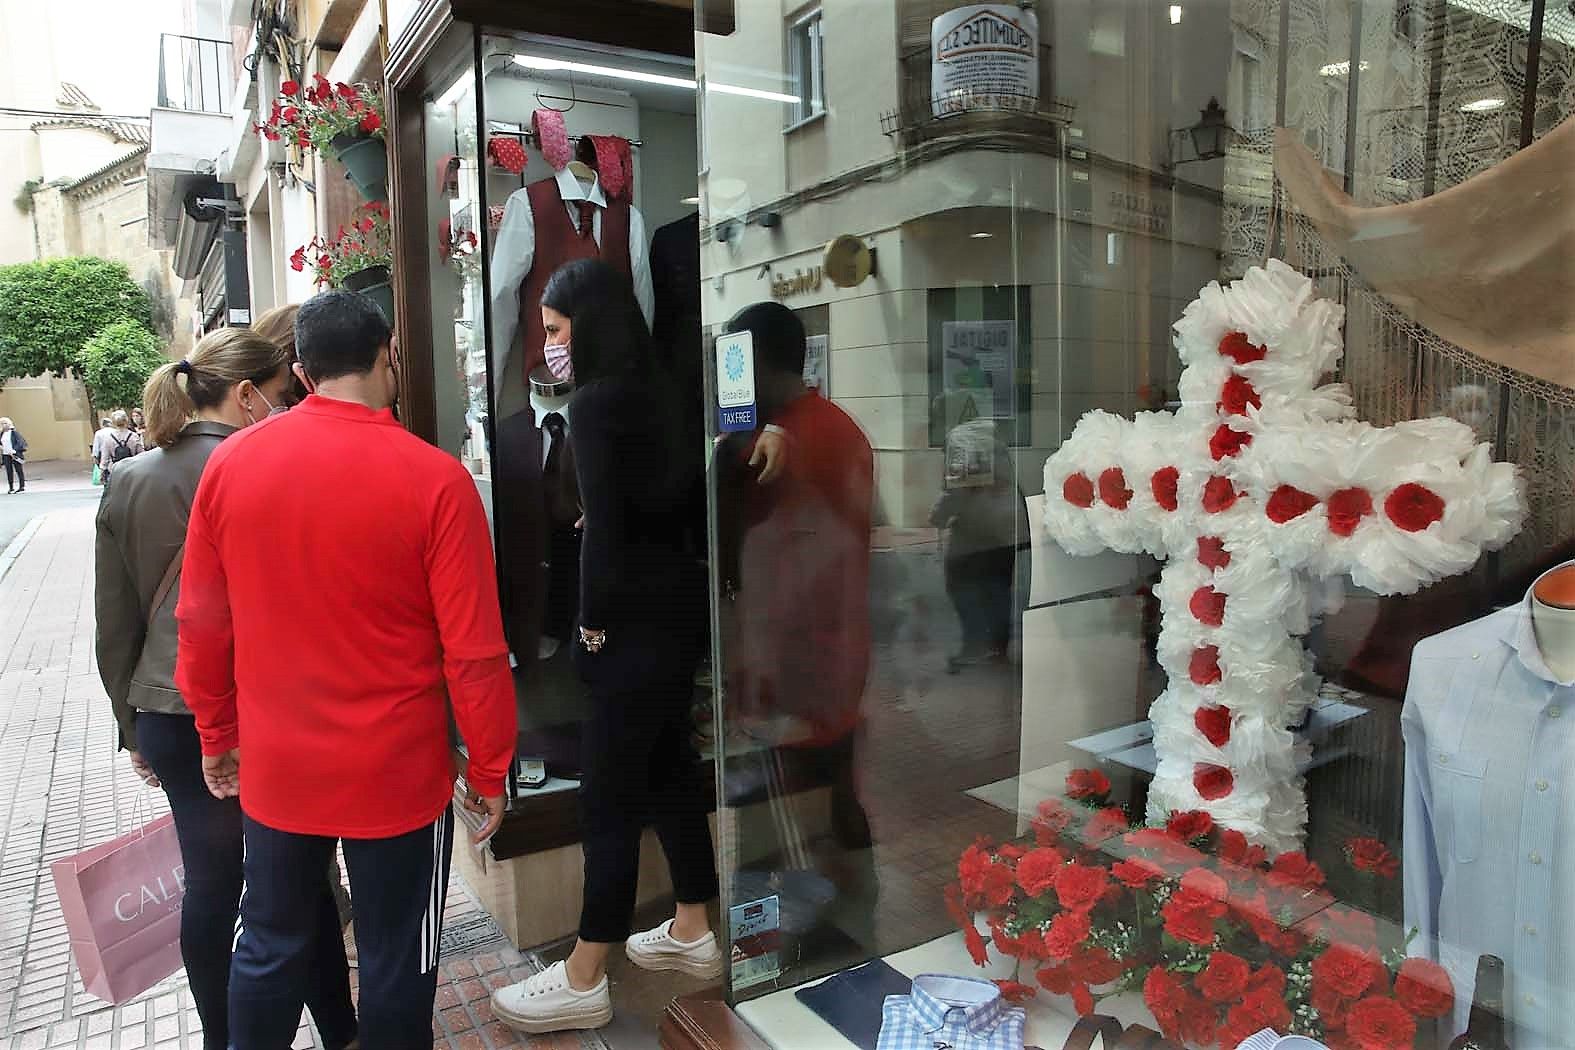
(587, 219)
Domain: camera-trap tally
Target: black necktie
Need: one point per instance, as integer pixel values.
(553, 425)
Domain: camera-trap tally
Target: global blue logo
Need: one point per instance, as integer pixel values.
(735, 362)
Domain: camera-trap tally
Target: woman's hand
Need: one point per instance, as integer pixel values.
(139, 765)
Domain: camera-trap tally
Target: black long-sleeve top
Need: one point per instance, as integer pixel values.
(638, 483)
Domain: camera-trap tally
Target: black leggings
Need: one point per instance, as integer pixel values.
(209, 830)
(15, 473)
(641, 769)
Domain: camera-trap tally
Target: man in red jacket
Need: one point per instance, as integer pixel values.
(337, 597)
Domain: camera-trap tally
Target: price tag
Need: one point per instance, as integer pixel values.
(735, 382)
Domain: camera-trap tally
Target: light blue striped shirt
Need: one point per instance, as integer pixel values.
(1490, 781)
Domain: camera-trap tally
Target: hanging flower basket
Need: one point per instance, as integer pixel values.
(358, 259)
(376, 283)
(342, 121)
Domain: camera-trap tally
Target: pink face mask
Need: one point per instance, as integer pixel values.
(559, 362)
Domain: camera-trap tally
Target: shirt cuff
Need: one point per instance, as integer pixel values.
(772, 428)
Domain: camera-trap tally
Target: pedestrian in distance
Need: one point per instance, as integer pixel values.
(13, 446)
(120, 444)
(193, 405)
(338, 600)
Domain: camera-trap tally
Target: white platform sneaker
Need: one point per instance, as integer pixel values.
(545, 1002)
(658, 950)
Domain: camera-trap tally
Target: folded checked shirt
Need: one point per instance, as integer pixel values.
(950, 1013)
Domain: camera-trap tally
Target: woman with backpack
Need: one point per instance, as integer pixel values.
(232, 379)
(119, 445)
(14, 447)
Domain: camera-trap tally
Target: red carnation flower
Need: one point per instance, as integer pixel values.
(1269, 980)
(1106, 824)
(1199, 1022)
(1113, 488)
(1414, 507)
(1237, 395)
(1193, 824)
(1346, 972)
(1235, 849)
(1079, 887)
(1214, 724)
(1295, 871)
(1078, 490)
(1095, 966)
(1212, 554)
(1172, 853)
(1347, 508)
(1204, 666)
(1227, 442)
(1257, 914)
(1371, 855)
(1260, 1009)
(954, 905)
(1224, 978)
(1086, 784)
(1287, 503)
(1067, 931)
(1380, 1024)
(974, 941)
(1164, 995)
(1053, 819)
(1082, 1000)
(1212, 782)
(1207, 606)
(1014, 991)
(1219, 495)
(1036, 872)
(1424, 988)
(1240, 349)
(1057, 980)
(1136, 872)
(1163, 485)
(1189, 918)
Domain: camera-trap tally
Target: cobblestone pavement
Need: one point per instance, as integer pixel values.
(63, 788)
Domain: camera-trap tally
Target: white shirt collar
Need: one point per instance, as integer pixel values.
(1522, 637)
(570, 189)
(542, 412)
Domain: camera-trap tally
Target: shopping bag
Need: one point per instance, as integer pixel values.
(97, 477)
(122, 906)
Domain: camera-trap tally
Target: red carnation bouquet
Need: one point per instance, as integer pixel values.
(311, 116)
(1221, 940)
(365, 244)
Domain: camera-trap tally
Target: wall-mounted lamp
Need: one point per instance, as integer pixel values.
(727, 230)
(1211, 137)
(768, 219)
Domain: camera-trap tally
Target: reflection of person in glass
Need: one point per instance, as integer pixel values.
(642, 615)
(797, 554)
(985, 517)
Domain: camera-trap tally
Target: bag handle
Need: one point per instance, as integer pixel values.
(167, 581)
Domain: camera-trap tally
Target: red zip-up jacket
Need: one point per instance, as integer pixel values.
(338, 577)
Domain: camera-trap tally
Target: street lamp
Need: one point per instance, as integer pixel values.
(1211, 137)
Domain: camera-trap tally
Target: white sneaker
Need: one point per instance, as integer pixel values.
(658, 950)
(545, 1002)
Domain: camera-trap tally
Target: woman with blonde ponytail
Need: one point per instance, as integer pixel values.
(233, 378)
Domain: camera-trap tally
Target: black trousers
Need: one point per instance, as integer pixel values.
(641, 769)
(398, 884)
(15, 473)
(980, 587)
(209, 830)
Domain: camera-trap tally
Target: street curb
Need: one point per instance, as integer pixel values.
(15, 548)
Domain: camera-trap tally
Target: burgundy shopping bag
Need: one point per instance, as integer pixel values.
(122, 906)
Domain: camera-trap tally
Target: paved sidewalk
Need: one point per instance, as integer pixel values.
(63, 788)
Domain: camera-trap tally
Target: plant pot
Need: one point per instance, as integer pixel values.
(376, 283)
(366, 164)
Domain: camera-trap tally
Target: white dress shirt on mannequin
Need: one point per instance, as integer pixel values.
(1489, 782)
(542, 405)
(516, 252)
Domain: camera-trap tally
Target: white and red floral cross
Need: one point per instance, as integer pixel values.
(1261, 484)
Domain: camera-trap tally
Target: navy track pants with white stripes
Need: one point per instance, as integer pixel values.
(398, 886)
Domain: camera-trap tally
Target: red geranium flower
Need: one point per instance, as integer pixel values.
(1190, 825)
(1295, 871)
(1136, 872)
(1079, 887)
(1346, 972)
(1036, 872)
(1424, 988)
(289, 89)
(1380, 1024)
(1067, 932)
(1224, 978)
(1015, 992)
(1086, 784)
(974, 941)
(1371, 855)
(371, 122)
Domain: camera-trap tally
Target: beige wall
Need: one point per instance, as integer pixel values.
(52, 414)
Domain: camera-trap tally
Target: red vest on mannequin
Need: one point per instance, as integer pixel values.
(558, 242)
(1557, 588)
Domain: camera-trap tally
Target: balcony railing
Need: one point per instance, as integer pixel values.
(922, 116)
(195, 73)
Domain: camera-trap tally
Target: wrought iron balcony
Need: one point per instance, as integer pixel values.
(922, 117)
(195, 73)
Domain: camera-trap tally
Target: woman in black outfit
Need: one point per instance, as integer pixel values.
(643, 608)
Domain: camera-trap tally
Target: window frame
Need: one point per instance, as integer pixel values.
(809, 27)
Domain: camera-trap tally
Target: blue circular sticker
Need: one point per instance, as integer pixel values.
(735, 362)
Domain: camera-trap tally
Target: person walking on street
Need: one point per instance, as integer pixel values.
(138, 422)
(338, 597)
(642, 631)
(193, 404)
(120, 444)
(14, 448)
(99, 437)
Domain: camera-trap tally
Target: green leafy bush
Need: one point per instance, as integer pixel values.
(117, 362)
(49, 310)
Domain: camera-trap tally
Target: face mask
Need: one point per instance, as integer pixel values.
(559, 362)
(271, 407)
